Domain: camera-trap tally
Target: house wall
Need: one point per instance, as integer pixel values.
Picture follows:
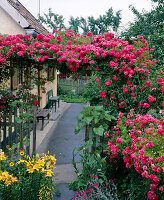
(49, 86)
(8, 25)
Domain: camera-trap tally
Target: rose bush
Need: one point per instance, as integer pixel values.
(139, 140)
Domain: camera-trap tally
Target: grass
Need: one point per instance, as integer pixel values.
(69, 98)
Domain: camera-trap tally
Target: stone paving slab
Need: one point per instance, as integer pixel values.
(64, 173)
(66, 194)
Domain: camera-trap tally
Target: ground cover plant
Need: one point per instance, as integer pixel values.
(95, 190)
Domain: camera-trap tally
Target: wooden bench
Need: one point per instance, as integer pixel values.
(52, 99)
(43, 114)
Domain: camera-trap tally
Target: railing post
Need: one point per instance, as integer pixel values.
(21, 131)
(15, 126)
(4, 132)
(10, 128)
(34, 130)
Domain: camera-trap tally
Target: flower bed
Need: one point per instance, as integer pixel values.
(95, 190)
(25, 177)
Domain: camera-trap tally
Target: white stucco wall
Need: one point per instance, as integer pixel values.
(8, 25)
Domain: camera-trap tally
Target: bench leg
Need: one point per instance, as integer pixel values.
(48, 116)
(48, 104)
(42, 123)
(55, 106)
(58, 103)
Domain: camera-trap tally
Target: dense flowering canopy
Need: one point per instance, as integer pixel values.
(123, 70)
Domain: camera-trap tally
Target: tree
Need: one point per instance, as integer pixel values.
(84, 25)
(74, 24)
(52, 21)
(104, 23)
(151, 26)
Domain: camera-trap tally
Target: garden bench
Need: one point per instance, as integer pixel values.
(52, 99)
(42, 114)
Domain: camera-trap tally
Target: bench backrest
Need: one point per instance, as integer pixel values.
(50, 94)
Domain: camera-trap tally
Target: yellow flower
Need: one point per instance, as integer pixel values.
(21, 161)
(37, 156)
(43, 170)
(14, 179)
(7, 178)
(2, 156)
(7, 146)
(21, 153)
(11, 164)
(49, 173)
(41, 162)
(37, 167)
(30, 170)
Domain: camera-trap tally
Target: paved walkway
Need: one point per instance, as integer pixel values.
(61, 140)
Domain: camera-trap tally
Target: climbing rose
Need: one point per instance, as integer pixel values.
(89, 33)
(151, 98)
(119, 140)
(115, 78)
(40, 37)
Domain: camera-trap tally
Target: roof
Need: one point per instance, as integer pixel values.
(34, 23)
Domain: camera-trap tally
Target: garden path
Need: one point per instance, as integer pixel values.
(61, 141)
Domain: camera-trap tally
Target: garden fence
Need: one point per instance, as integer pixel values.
(70, 86)
(14, 130)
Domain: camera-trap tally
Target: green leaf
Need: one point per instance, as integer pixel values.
(18, 120)
(88, 119)
(14, 146)
(26, 141)
(96, 120)
(76, 131)
(80, 148)
(80, 124)
(99, 131)
(80, 115)
(110, 117)
(88, 144)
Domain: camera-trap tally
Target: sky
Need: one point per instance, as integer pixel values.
(85, 8)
